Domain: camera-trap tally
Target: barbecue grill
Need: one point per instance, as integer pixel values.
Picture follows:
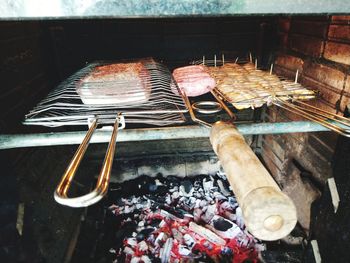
(162, 145)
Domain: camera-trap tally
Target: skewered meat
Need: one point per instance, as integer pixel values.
(246, 87)
(120, 83)
(194, 80)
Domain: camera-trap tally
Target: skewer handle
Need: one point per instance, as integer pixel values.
(268, 213)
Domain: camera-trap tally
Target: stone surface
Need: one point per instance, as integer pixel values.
(272, 167)
(345, 102)
(341, 18)
(341, 32)
(337, 52)
(311, 28)
(306, 45)
(325, 75)
(303, 194)
(274, 142)
(329, 96)
(290, 62)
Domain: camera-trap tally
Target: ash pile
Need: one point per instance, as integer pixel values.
(181, 220)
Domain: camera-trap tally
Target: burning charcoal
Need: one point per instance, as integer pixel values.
(146, 259)
(260, 247)
(168, 199)
(135, 260)
(219, 197)
(239, 217)
(175, 195)
(142, 246)
(128, 209)
(154, 222)
(189, 241)
(223, 189)
(147, 231)
(160, 226)
(157, 182)
(174, 213)
(197, 194)
(143, 204)
(186, 188)
(206, 233)
(128, 251)
(184, 251)
(183, 229)
(182, 199)
(197, 184)
(160, 239)
(203, 203)
(209, 199)
(233, 202)
(207, 185)
(139, 237)
(226, 251)
(174, 189)
(131, 242)
(176, 234)
(224, 228)
(162, 223)
(209, 213)
(197, 213)
(189, 203)
(144, 233)
(221, 174)
(151, 239)
(166, 251)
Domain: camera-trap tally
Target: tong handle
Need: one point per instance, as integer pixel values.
(334, 122)
(101, 187)
(204, 123)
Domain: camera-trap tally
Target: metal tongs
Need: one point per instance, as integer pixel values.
(103, 179)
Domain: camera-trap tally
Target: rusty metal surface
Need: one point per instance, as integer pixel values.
(8, 141)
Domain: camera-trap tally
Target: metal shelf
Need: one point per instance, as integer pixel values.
(9, 141)
(82, 9)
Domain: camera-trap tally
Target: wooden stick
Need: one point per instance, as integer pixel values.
(296, 76)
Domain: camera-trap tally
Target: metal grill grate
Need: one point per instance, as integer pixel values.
(63, 106)
(251, 95)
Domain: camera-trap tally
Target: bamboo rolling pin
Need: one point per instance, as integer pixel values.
(268, 213)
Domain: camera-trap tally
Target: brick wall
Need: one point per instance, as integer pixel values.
(319, 48)
(23, 71)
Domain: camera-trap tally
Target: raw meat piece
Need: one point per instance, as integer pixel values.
(120, 83)
(194, 80)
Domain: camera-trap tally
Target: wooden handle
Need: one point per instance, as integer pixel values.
(268, 213)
